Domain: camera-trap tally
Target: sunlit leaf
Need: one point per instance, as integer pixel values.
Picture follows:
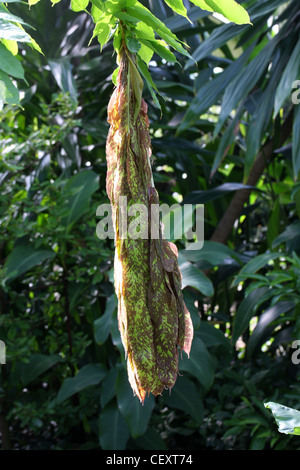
(287, 419)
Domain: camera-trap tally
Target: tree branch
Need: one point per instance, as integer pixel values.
(224, 228)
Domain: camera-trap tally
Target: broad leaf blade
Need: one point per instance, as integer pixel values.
(113, 431)
(38, 364)
(287, 419)
(91, 374)
(136, 415)
(24, 257)
(199, 365)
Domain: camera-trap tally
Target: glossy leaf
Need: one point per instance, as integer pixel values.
(212, 252)
(191, 276)
(62, 72)
(177, 6)
(287, 419)
(232, 10)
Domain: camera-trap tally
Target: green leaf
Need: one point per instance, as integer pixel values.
(13, 32)
(10, 64)
(24, 257)
(202, 196)
(133, 44)
(226, 141)
(228, 8)
(261, 118)
(296, 142)
(212, 90)
(290, 233)
(150, 440)
(177, 6)
(37, 365)
(212, 252)
(212, 336)
(217, 38)
(147, 76)
(274, 223)
(62, 72)
(246, 311)
(185, 396)
(113, 431)
(255, 264)
(108, 387)
(192, 276)
(291, 73)
(160, 49)
(144, 15)
(102, 324)
(2, 94)
(200, 364)
(244, 82)
(79, 5)
(77, 193)
(91, 374)
(136, 415)
(264, 328)
(145, 32)
(287, 419)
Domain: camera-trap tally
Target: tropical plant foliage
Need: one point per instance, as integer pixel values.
(225, 120)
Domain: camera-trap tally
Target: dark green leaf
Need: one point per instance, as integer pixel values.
(136, 415)
(113, 431)
(91, 374)
(246, 311)
(264, 328)
(102, 324)
(24, 257)
(192, 276)
(77, 193)
(296, 142)
(38, 364)
(200, 364)
(185, 396)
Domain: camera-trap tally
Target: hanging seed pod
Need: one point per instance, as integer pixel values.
(152, 317)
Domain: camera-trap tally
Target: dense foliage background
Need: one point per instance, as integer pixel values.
(227, 120)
